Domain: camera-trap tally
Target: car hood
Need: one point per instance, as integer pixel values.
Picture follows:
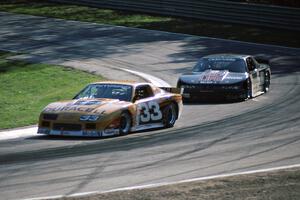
(213, 76)
(86, 106)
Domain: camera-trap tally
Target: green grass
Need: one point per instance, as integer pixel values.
(26, 88)
(81, 13)
(165, 23)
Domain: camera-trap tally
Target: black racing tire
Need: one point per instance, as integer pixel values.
(267, 82)
(170, 115)
(249, 94)
(125, 123)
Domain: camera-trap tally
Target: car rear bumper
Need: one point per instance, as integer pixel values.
(196, 94)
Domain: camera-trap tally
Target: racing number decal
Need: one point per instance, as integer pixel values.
(156, 114)
(149, 111)
(144, 112)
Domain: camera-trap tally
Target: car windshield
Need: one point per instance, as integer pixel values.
(230, 64)
(110, 91)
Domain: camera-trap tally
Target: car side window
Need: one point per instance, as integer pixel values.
(142, 92)
(250, 64)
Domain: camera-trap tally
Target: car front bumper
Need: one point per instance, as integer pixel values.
(79, 133)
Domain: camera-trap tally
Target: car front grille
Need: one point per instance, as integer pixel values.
(50, 116)
(211, 87)
(67, 127)
(90, 126)
(45, 124)
(202, 86)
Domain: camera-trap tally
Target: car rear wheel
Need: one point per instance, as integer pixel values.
(125, 123)
(170, 115)
(267, 82)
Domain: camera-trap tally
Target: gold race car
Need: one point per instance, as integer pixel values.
(112, 108)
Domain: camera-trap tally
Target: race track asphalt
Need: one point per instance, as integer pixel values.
(209, 138)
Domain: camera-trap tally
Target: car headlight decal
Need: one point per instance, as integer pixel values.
(91, 118)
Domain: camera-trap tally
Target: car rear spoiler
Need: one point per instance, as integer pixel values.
(172, 90)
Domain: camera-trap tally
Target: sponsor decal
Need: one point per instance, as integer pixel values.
(68, 108)
(43, 130)
(65, 132)
(87, 103)
(212, 76)
(75, 108)
(91, 133)
(110, 132)
(234, 77)
(222, 59)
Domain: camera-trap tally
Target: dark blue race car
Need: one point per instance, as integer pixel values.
(228, 76)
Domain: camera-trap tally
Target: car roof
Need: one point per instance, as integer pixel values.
(123, 82)
(234, 56)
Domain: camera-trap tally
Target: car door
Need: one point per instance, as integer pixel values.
(147, 106)
(261, 73)
(254, 75)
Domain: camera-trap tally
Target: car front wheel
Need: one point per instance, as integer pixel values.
(125, 123)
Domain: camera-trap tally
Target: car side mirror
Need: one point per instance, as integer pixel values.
(252, 68)
(136, 97)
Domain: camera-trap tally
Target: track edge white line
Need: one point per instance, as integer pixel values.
(169, 183)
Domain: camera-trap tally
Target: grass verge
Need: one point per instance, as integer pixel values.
(277, 185)
(179, 25)
(26, 88)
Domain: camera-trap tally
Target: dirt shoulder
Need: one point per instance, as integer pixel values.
(283, 184)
